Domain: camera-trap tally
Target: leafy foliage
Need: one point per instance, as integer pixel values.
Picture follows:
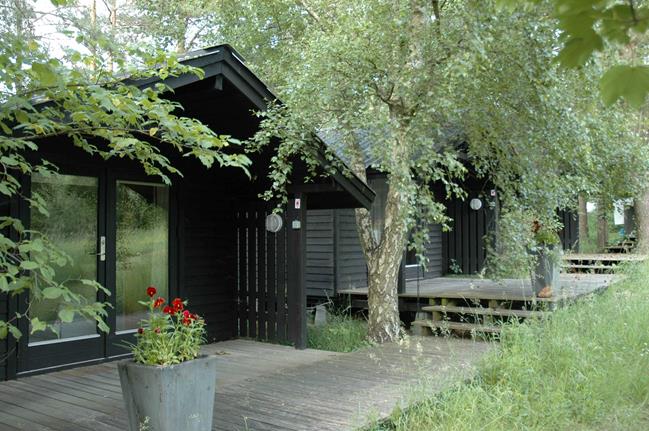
(588, 27)
(77, 103)
(428, 89)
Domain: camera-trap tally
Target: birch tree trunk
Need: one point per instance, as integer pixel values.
(383, 262)
(642, 221)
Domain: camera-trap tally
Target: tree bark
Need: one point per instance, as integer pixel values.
(383, 264)
(583, 222)
(602, 229)
(642, 221)
(383, 256)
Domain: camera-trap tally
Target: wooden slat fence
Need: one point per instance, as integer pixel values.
(262, 293)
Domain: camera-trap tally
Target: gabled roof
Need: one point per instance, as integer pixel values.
(449, 137)
(223, 62)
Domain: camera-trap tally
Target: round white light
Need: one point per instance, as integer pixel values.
(274, 223)
(475, 204)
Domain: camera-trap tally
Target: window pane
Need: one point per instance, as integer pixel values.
(72, 226)
(142, 248)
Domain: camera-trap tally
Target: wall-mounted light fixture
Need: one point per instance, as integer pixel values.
(274, 223)
(475, 204)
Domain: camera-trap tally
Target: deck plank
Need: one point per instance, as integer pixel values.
(260, 387)
(572, 286)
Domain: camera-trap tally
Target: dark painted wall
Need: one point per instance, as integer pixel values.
(351, 268)
(570, 233)
(320, 237)
(207, 258)
(434, 253)
(335, 258)
(4, 303)
(465, 243)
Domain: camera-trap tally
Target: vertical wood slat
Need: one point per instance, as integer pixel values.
(271, 285)
(252, 273)
(282, 332)
(480, 237)
(466, 269)
(243, 272)
(262, 276)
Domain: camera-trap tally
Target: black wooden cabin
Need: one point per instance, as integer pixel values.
(203, 238)
(335, 259)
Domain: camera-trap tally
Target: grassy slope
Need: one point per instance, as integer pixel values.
(585, 369)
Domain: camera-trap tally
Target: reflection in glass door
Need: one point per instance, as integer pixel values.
(72, 202)
(142, 248)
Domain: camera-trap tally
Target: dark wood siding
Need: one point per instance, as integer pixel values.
(570, 232)
(208, 258)
(434, 267)
(320, 239)
(465, 243)
(4, 303)
(351, 268)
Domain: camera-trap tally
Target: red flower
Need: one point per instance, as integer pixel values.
(158, 302)
(186, 321)
(157, 330)
(186, 314)
(151, 291)
(178, 305)
(140, 331)
(168, 310)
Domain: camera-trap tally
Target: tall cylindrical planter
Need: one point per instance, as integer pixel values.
(166, 398)
(546, 270)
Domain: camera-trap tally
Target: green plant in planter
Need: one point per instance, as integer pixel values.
(548, 259)
(170, 335)
(169, 385)
(544, 236)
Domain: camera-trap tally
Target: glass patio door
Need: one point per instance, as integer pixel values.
(116, 232)
(75, 226)
(141, 249)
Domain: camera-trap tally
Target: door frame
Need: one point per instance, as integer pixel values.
(65, 354)
(49, 355)
(115, 343)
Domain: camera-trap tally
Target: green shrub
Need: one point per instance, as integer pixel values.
(585, 368)
(341, 333)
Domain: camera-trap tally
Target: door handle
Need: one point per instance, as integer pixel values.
(102, 249)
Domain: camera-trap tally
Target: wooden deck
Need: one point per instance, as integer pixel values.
(572, 287)
(260, 387)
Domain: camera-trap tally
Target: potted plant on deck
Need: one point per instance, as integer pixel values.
(168, 385)
(547, 252)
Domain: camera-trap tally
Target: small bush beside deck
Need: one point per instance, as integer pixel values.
(586, 368)
(341, 333)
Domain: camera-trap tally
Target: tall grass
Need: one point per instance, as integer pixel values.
(586, 368)
(341, 333)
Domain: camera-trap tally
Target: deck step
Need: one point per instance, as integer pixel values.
(461, 326)
(485, 311)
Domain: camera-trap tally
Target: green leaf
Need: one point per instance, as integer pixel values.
(45, 74)
(628, 82)
(37, 325)
(66, 315)
(28, 265)
(52, 292)
(15, 331)
(4, 331)
(578, 49)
